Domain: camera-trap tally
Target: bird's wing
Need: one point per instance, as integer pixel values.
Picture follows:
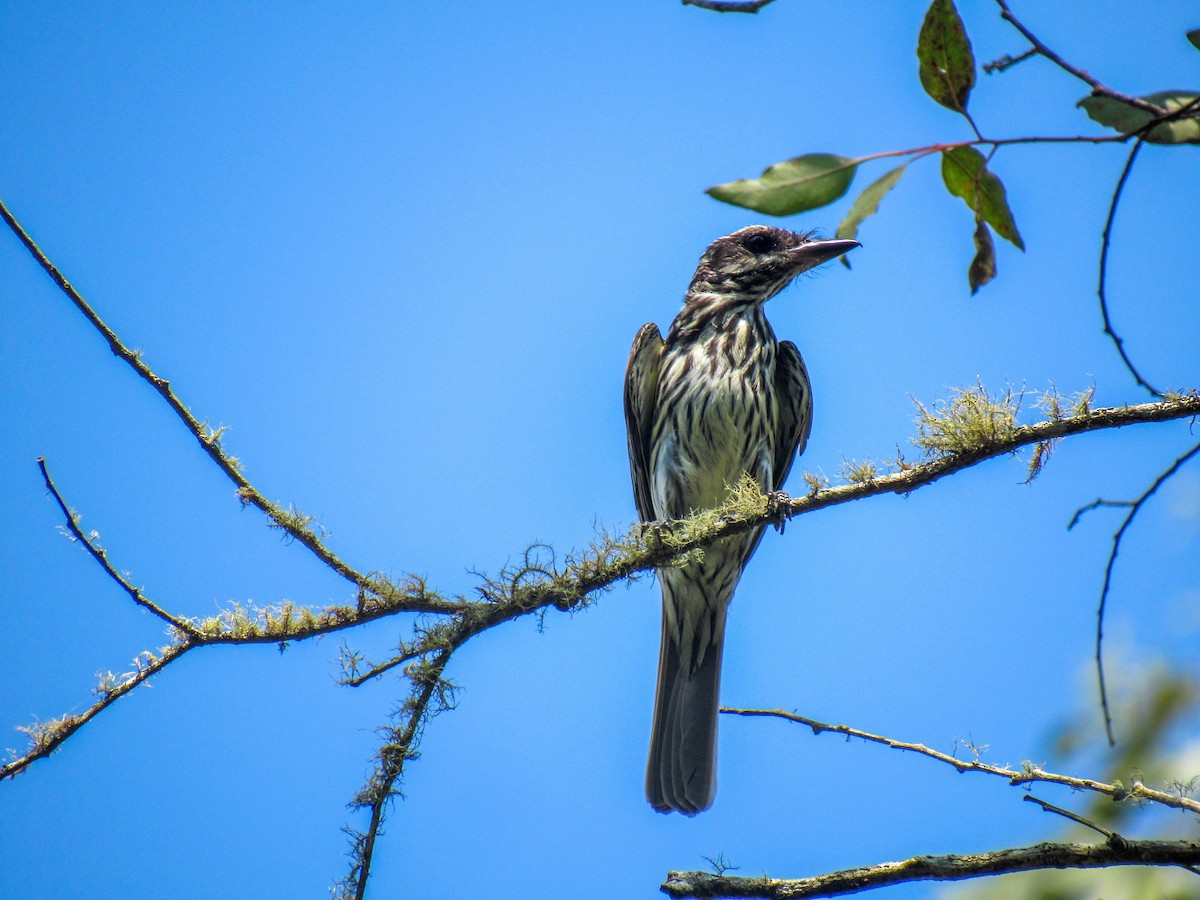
(794, 395)
(641, 387)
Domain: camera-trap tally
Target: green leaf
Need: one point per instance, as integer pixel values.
(1122, 117)
(983, 266)
(966, 175)
(1194, 37)
(796, 185)
(947, 64)
(867, 204)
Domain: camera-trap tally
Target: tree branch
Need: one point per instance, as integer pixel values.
(92, 545)
(1134, 507)
(957, 435)
(237, 626)
(938, 868)
(1105, 243)
(46, 737)
(1074, 817)
(1027, 774)
(1096, 86)
(290, 521)
(429, 688)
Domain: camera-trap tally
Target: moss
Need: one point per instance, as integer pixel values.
(816, 483)
(862, 471)
(971, 420)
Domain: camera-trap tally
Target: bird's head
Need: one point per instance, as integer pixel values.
(757, 262)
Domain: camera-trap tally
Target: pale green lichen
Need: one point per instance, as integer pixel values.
(969, 421)
(816, 483)
(44, 736)
(212, 436)
(1081, 403)
(1041, 455)
(861, 471)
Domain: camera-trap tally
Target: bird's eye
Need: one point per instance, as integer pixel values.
(759, 243)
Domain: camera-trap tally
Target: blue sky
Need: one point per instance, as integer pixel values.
(401, 251)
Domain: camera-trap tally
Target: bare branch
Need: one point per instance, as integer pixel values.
(1074, 817)
(1095, 504)
(1134, 507)
(1096, 86)
(236, 625)
(1105, 243)
(938, 868)
(1007, 62)
(1027, 774)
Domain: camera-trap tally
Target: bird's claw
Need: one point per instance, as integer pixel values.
(777, 508)
(651, 533)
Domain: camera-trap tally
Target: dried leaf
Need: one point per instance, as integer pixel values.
(983, 266)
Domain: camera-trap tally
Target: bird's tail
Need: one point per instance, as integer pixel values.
(681, 771)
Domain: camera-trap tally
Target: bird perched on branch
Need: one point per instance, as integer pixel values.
(718, 399)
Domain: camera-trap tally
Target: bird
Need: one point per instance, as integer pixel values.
(717, 399)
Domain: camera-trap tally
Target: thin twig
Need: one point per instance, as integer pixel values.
(375, 670)
(1096, 86)
(929, 149)
(1007, 62)
(1074, 817)
(1095, 504)
(1027, 774)
(1134, 507)
(92, 545)
(1105, 243)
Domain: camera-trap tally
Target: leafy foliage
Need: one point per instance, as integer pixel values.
(947, 73)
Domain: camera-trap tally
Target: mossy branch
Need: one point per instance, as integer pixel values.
(960, 433)
(207, 437)
(46, 737)
(953, 867)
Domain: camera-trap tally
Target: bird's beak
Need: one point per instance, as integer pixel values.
(812, 254)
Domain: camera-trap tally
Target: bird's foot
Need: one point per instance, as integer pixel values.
(651, 533)
(778, 503)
